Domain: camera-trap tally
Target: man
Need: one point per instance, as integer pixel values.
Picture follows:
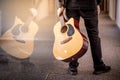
(88, 10)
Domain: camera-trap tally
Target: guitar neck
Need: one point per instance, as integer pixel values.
(62, 21)
(33, 12)
(29, 20)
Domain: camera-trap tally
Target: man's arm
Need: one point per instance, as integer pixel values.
(61, 3)
(99, 2)
(98, 6)
(61, 7)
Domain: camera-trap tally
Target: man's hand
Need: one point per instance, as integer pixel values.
(60, 11)
(34, 12)
(98, 9)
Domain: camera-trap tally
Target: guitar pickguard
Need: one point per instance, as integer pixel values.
(15, 30)
(70, 30)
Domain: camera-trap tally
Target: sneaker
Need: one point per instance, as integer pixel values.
(101, 69)
(72, 71)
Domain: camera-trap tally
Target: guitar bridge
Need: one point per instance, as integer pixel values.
(66, 40)
(21, 41)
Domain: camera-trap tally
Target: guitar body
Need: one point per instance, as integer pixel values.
(18, 43)
(69, 44)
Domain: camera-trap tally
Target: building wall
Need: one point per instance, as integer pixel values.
(11, 8)
(112, 9)
(118, 13)
(0, 24)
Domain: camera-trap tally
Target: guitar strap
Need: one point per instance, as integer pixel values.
(76, 24)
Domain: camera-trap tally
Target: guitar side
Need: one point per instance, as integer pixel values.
(20, 46)
(74, 47)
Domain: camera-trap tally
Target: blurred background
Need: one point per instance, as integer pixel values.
(42, 65)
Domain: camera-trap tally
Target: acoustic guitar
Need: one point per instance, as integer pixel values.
(69, 44)
(18, 41)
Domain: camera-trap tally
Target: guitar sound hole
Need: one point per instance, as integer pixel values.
(63, 29)
(15, 30)
(24, 29)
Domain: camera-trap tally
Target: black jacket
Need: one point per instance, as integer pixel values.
(79, 3)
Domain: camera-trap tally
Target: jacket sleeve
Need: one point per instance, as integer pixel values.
(61, 3)
(99, 2)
